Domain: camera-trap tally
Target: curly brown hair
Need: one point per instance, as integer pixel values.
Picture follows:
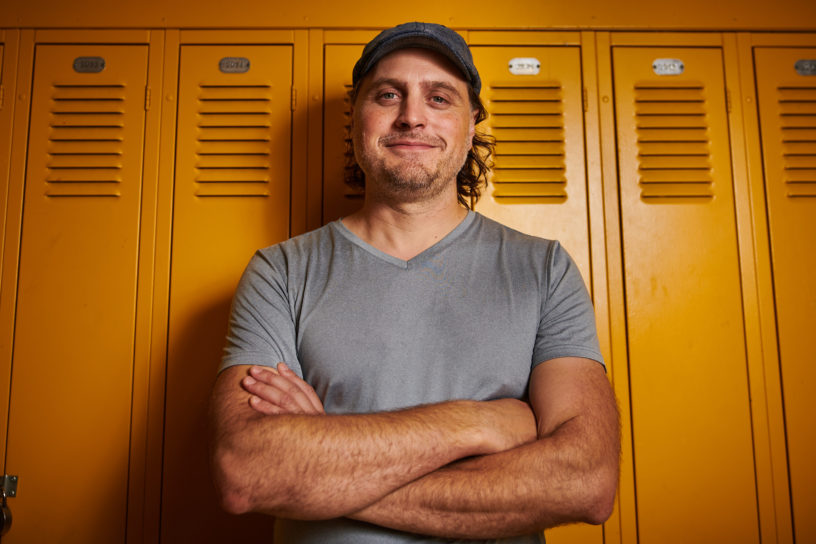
(470, 179)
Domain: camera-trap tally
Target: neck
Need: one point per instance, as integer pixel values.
(407, 229)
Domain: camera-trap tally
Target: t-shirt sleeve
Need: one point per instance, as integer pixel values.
(567, 320)
(261, 327)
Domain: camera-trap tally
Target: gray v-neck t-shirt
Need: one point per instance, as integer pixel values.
(468, 318)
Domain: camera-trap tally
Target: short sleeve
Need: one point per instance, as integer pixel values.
(261, 327)
(567, 318)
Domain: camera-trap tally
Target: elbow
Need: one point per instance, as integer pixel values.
(234, 494)
(599, 510)
(600, 501)
(234, 502)
(241, 493)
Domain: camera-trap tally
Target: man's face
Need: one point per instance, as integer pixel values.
(412, 125)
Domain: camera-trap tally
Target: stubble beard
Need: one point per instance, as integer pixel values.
(408, 180)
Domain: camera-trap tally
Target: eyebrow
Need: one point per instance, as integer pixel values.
(384, 82)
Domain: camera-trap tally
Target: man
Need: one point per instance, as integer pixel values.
(442, 377)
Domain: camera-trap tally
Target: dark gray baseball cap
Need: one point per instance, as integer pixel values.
(431, 36)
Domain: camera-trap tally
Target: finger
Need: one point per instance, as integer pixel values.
(279, 391)
(307, 389)
(272, 393)
(263, 373)
(260, 405)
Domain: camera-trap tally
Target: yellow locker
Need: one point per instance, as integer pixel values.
(3, 153)
(70, 403)
(232, 189)
(3, 161)
(690, 407)
(538, 122)
(786, 87)
(538, 184)
(339, 200)
(534, 98)
(7, 92)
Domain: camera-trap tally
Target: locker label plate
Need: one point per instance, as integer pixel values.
(523, 66)
(234, 65)
(89, 65)
(805, 67)
(668, 67)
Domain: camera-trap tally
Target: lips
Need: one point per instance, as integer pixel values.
(411, 146)
(410, 142)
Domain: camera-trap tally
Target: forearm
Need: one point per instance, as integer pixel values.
(569, 474)
(520, 491)
(326, 466)
(313, 467)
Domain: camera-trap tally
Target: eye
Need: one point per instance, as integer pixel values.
(436, 99)
(388, 95)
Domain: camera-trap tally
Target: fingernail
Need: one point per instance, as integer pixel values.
(283, 365)
(249, 380)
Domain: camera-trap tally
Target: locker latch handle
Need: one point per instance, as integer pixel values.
(5, 514)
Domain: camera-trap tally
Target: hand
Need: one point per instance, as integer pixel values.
(280, 391)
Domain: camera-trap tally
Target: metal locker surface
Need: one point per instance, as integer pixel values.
(339, 200)
(786, 87)
(538, 183)
(690, 407)
(534, 99)
(4, 150)
(232, 192)
(70, 407)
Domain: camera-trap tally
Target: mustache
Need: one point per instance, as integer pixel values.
(394, 137)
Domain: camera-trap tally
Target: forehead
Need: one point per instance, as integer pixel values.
(416, 65)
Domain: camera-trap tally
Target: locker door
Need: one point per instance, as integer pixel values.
(231, 197)
(787, 108)
(538, 121)
(70, 407)
(4, 150)
(7, 92)
(339, 200)
(689, 387)
(538, 184)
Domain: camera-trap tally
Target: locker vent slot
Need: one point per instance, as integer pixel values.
(348, 192)
(527, 121)
(797, 107)
(672, 139)
(85, 141)
(233, 155)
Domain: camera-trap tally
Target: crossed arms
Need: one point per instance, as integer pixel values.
(458, 469)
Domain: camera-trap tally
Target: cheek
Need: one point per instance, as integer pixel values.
(461, 129)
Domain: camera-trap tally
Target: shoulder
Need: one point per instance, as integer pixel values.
(299, 247)
(492, 229)
(545, 259)
(286, 261)
(509, 240)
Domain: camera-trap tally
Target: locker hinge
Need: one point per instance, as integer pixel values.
(586, 100)
(147, 98)
(294, 99)
(9, 484)
(728, 100)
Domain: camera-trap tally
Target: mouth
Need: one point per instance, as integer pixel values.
(409, 146)
(410, 143)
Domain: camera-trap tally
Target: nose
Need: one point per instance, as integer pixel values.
(411, 113)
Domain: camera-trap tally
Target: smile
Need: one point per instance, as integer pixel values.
(410, 146)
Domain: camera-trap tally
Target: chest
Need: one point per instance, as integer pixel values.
(386, 339)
